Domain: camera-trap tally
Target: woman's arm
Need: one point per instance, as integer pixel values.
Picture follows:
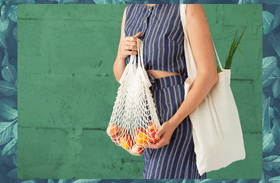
(127, 46)
(203, 52)
(202, 48)
(120, 64)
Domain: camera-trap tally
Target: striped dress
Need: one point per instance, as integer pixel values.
(163, 39)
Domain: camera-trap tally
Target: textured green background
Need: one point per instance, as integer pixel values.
(66, 90)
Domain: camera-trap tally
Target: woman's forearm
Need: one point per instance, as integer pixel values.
(119, 64)
(119, 67)
(203, 52)
(200, 89)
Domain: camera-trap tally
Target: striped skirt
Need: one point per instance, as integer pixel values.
(177, 160)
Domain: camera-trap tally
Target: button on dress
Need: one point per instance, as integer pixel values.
(163, 41)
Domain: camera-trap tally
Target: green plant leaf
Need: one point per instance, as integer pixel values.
(233, 48)
(240, 51)
(241, 34)
(218, 69)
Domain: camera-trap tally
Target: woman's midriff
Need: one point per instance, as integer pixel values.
(160, 74)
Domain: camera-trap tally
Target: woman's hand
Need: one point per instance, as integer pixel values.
(166, 130)
(128, 46)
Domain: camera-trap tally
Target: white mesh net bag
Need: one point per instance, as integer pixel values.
(134, 120)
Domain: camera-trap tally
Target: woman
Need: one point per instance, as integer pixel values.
(160, 28)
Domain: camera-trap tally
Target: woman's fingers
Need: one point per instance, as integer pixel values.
(130, 52)
(164, 134)
(162, 142)
(160, 132)
(139, 34)
(131, 39)
(129, 45)
(134, 38)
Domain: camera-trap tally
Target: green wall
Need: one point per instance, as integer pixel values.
(67, 89)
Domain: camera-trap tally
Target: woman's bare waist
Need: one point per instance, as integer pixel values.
(160, 74)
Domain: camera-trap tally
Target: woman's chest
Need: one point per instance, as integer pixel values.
(160, 24)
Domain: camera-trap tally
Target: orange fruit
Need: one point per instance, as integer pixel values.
(138, 130)
(152, 136)
(126, 142)
(115, 138)
(141, 138)
(123, 132)
(137, 150)
(151, 126)
(112, 129)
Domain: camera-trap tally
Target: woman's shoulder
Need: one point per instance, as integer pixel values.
(133, 10)
(195, 10)
(133, 6)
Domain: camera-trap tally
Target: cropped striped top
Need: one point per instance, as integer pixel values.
(162, 35)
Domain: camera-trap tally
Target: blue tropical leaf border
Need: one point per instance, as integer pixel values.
(8, 90)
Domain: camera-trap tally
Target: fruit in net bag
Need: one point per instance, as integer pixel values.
(151, 126)
(134, 110)
(112, 129)
(133, 142)
(122, 132)
(126, 142)
(152, 136)
(113, 132)
(137, 150)
(141, 138)
(137, 131)
(115, 138)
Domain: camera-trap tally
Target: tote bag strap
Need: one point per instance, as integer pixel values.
(184, 23)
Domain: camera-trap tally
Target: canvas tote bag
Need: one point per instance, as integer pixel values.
(217, 133)
(134, 119)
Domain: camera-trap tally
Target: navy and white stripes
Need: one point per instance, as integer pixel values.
(162, 35)
(163, 39)
(177, 160)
